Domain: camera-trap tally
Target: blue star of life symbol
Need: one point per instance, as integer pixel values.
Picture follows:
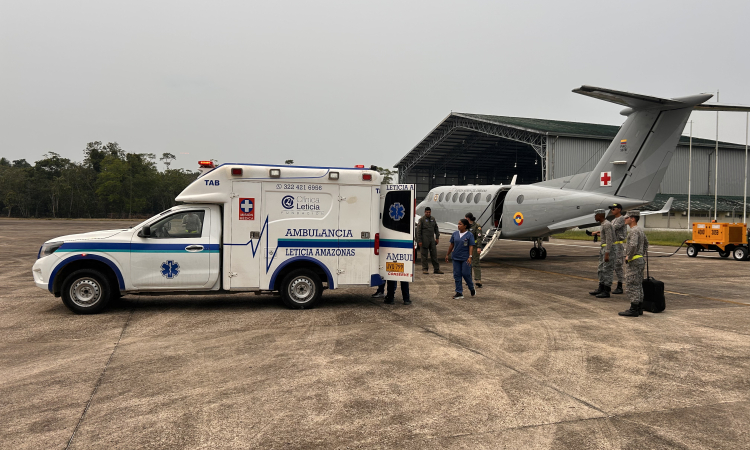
(397, 211)
(246, 206)
(170, 269)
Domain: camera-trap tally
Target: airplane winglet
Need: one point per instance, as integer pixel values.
(665, 209)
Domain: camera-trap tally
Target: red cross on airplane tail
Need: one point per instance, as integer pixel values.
(606, 179)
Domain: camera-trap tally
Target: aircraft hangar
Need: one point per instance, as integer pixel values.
(484, 149)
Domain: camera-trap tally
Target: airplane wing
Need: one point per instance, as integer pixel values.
(581, 221)
(447, 227)
(665, 209)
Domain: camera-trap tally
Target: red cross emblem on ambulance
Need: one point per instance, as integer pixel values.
(606, 179)
(247, 209)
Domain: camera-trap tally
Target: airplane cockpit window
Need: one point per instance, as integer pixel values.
(461, 198)
(441, 196)
(455, 197)
(476, 197)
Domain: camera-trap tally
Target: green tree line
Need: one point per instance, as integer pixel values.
(109, 182)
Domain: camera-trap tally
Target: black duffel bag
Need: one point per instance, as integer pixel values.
(653, 293)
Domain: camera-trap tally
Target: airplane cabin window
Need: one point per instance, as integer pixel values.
(519, 199)
(455, 197)
(441, 197)
(489, 197)
(476, 197)
(461, 198)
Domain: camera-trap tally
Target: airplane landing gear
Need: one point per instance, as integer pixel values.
(538, 251)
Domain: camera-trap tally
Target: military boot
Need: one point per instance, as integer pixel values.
(598, 290)
(634, 311)
(618, 289)
(605, 292)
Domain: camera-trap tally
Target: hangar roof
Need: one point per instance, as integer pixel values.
(575, 129)
(697, 203)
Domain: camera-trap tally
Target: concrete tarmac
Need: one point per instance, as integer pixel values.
(532, 361)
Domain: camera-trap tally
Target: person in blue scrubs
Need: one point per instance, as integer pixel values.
(461, 248)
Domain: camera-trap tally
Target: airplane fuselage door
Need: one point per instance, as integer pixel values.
(397, 232)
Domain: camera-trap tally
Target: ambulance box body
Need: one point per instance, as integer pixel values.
(241, 227)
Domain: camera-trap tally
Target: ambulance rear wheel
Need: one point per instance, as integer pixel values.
(692, 251)
(740, 253)
(301, 289)
(86, 291)
(724, 254)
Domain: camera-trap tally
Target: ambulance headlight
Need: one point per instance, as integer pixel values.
(49, 248)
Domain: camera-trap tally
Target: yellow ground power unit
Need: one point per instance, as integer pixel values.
(725, 238)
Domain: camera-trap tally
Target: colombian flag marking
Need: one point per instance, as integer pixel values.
(518, 218)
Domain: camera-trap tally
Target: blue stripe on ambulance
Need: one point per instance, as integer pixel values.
(326, 243)
(397, 243)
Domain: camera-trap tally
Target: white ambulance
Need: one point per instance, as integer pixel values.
(245, 227)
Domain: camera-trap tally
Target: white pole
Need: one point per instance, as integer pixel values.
(744, 194)
(716, 158)
(690, 172)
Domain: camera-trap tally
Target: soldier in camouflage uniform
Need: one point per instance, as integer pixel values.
(428, 237)
(635, 249)
(605, 262)
(476, 230)
(621, 233)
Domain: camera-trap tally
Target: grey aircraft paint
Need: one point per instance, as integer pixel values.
(628, 173)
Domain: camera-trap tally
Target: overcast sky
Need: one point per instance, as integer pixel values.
(343, 82)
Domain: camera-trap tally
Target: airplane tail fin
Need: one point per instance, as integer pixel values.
(637, 159)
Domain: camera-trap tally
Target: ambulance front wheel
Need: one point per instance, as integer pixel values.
(86, 291)
(301, 289)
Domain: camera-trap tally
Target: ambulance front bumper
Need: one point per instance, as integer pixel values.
(41, 271)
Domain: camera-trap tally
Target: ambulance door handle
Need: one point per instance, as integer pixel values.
(194, 248)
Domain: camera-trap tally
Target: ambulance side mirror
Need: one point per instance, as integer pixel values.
(145, 232)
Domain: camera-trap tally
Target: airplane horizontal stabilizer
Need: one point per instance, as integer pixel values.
(721, 107)
(665, 209)
(635, 101)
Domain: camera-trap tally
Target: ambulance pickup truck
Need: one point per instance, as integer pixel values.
(245, 227)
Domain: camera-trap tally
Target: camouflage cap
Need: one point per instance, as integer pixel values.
(600, 211)
(633, 213)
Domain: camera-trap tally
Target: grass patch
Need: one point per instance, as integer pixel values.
(673, 238)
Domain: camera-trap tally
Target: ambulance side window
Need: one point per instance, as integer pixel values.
(185, 224)
(397, 213)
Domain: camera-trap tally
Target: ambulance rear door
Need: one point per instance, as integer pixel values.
(356, 241)
(397, 232)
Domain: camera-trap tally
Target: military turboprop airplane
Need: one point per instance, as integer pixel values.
(629, 173)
